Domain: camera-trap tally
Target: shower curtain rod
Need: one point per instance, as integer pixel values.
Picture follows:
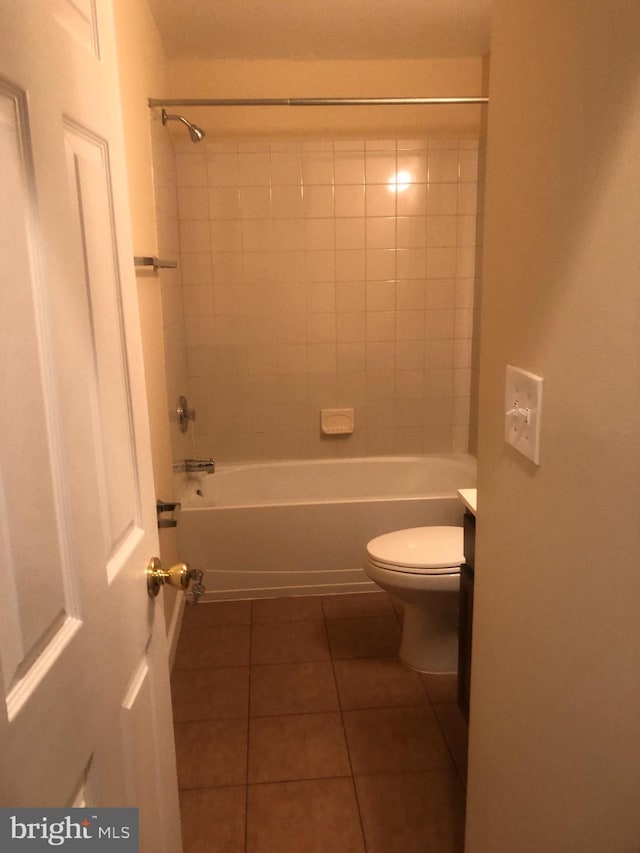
(310, 102)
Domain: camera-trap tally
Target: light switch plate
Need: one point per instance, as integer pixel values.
(523, 411)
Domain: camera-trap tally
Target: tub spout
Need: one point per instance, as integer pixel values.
(199, 466)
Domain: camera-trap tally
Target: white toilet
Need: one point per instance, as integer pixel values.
(421, 567)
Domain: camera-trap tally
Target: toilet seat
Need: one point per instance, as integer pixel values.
(419, 550)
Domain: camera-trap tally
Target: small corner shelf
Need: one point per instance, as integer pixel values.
(156, 263)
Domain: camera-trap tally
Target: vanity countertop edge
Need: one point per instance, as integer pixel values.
(469, 498)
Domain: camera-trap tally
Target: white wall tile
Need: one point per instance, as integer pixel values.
(309, 279)
(349, 167)
(410, 294)
(380, 200)
(286, 168)
(320, 297)
(441, 263)
(350, 296)
(412, 200)
(194, 236)
(286, 202)
(380, 295)
(255, 202)
(411, 263)
(411, 232)
(381, 232)
(443, 166)
(380, 167)
(196, 267)
(410, 354)
(441, 294)
(350, 327)
(381, 326)
(350, 233)
(442, 200)
(224, 202)
(226, 235)
(317, 168)
(191, 170)
(380, 264)
(350, 265)
(193, 203)
(222, 170)
(254, 169)
(414, 164)
(319, 234)
(317, 201)
(349, 200)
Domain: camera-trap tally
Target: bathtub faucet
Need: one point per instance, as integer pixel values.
(199, 466)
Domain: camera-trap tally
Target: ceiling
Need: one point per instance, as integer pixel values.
(323, 29)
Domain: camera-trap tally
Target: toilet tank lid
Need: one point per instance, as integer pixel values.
(419, 547)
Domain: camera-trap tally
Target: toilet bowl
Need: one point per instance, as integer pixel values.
(421, 567)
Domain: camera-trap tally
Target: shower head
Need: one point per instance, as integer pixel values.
(195, 132)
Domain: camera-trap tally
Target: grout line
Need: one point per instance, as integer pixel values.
(459, 772)
(346, 740)
(246, 786)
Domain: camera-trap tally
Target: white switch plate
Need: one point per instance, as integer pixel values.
(523, 411)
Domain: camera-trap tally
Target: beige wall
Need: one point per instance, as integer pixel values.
(555, 743)
(142, 71)
(193, 78)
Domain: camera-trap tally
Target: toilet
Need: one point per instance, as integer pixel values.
(421, 567)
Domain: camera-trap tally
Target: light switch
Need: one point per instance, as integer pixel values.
(523, 410)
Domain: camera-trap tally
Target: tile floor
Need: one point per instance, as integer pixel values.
(298, 730)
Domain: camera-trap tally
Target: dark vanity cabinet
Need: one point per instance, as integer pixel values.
(466, 614)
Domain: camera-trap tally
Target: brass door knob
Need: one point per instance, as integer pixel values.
(177, 576)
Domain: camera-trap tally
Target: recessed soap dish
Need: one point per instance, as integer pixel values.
(336, 421)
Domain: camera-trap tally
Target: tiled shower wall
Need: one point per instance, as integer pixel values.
(328, 273)
(170, 280)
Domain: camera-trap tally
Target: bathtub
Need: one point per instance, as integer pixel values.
(300, 528)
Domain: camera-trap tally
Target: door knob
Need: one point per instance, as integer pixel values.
(178, 576)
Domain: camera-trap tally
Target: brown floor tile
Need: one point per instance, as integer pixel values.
(355, 604)
(441, 688)
(213, 645)
(318, 816)
(213, 820)
(456, 734)
(210, 694)
(211, 753)
(291, 609)
(303, 746)
(412, 812)
(374, 636)
(388, 740)
(301, 796)
(289, 642)
(377, 683)
(218, 613)
(292, 688)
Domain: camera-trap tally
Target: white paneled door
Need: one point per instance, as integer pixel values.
(85, 712)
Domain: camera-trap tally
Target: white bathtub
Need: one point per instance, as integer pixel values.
(299, 528)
